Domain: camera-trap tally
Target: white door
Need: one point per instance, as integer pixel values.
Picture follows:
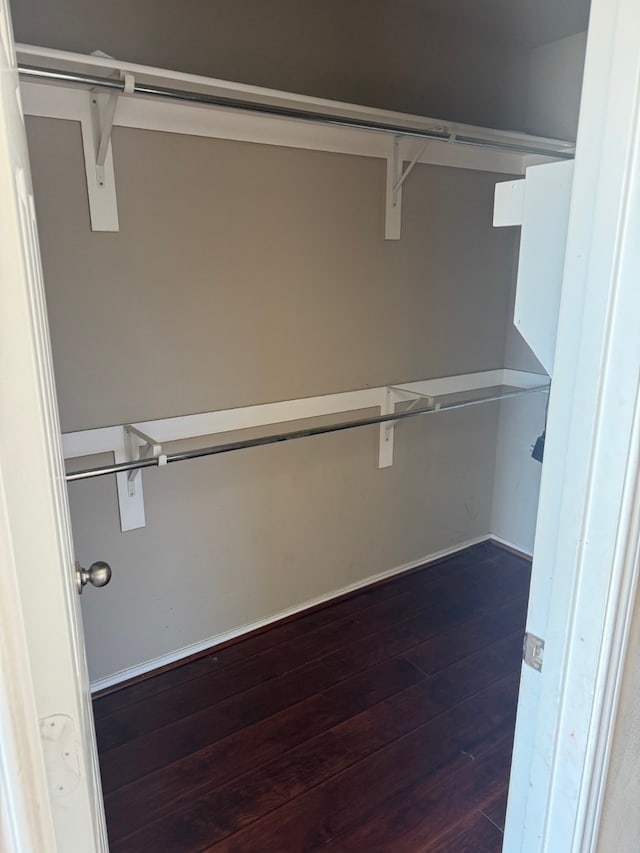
(51, 797)
(586, 552)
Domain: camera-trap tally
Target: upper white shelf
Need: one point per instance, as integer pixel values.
(463, 146)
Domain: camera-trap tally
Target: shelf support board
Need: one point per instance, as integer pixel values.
(393, 205)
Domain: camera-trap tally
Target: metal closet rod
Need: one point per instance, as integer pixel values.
(215, 450)
(284, 112)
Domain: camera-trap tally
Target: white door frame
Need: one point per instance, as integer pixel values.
(51, 798)
(586, 552)
(585, 565)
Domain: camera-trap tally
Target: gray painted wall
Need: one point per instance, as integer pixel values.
(269, 261)
(246, 273)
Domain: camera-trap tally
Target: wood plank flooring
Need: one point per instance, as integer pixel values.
(383, 722)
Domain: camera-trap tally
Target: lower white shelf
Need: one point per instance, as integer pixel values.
(129, 442)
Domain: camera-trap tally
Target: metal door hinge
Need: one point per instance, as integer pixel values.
(533, 651)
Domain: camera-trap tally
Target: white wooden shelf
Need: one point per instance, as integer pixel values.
(127, 441)
(98, 113)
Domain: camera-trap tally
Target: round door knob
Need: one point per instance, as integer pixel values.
(98, 574)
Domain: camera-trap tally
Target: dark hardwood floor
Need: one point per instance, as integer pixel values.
(381, 722)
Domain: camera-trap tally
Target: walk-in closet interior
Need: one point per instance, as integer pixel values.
(302, 265)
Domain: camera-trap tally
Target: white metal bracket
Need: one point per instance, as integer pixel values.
(96, 140)
(141, 446)
(393, 396)
(103, 111)
(396, 177)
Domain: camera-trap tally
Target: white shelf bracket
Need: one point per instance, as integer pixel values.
(393, 396)
(395, 179)
(140, 446)
(96, 139)
(403, 177)
(103, 111)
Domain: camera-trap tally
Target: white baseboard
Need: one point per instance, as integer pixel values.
(203, 645)
(527, 552)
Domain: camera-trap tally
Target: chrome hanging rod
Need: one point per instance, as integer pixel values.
(215, 450)
(34, 72)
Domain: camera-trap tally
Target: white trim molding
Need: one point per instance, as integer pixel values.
(512, 546)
